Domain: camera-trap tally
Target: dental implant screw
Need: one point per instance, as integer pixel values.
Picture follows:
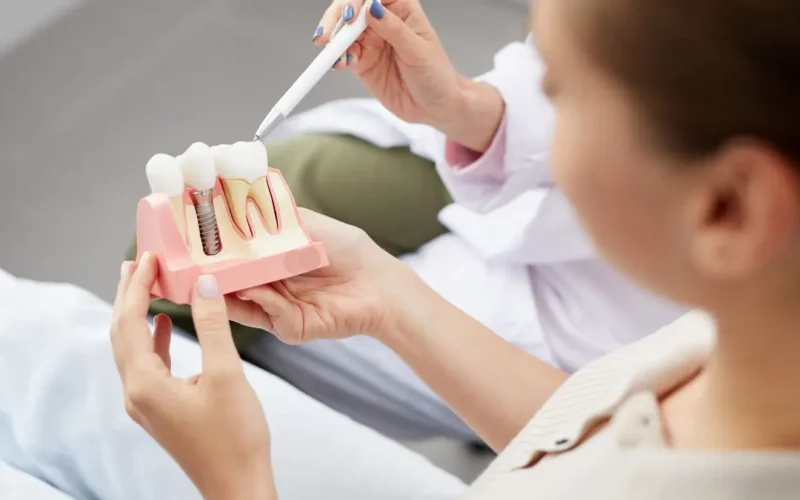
(207, 222)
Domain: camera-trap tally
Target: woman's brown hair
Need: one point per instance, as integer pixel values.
(702, 72)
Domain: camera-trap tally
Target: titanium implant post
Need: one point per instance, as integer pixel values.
(207, 222)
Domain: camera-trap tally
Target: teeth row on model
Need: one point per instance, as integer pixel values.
(242, 169)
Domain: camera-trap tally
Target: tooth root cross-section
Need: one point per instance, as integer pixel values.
(238, 191)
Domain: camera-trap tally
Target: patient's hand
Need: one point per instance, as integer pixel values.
(356, 294)
(212, 423)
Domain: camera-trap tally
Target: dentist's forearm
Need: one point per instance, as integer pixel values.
(495, 387)
(473, 117)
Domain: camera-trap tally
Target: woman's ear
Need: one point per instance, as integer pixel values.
(746, 212)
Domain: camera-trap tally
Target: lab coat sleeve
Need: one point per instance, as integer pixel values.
(515, 168)
(517, 159)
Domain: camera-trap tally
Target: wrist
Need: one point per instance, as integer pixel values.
(410, 304)
(474, 115)
(257, 488)
(253, 483)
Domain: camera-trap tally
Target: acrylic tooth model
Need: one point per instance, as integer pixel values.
(164, 176)
(197, 164)
(243, 169)
(244, 229)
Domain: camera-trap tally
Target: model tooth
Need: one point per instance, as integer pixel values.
(236, 194)
(259, 191)
(224, 161)
(258, 157)
(219, 153)
(164, 176)
(242, 168)
(259, 186)
(232, 169)
(197, 164)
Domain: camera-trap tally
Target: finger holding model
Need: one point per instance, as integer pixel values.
(232, 460)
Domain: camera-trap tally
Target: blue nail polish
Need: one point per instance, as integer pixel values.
(377, 11)
(348, 13)
(317, 33)
(349, 58)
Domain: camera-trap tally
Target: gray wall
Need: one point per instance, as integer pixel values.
(103, 85)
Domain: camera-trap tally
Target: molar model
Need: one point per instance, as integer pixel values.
(221, 211)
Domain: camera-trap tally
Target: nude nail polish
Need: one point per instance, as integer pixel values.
(207, 287)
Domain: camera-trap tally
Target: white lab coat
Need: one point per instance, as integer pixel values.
(518, 236)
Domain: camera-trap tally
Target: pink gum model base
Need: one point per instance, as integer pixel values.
(157, 232)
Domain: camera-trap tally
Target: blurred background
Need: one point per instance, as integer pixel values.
(91, 89)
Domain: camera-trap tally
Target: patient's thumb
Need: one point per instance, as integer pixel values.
(210, 317)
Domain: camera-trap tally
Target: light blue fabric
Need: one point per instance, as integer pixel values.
(17, 485)
(62, 417)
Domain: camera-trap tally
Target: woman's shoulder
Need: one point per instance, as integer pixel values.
(657, 363)
(657, 360)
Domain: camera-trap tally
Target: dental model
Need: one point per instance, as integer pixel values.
(242, 168)
(244, 227)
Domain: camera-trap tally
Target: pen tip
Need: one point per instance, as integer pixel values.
(256, 138)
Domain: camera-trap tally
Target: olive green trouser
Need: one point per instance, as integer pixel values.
(392, 194)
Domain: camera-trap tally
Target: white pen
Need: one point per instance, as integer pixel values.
(336, 48)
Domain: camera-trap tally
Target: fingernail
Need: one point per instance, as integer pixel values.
(207, 287)
(145, 261)
(347, 14)
(349, 58)
(376, 9)
(317, 33)
(125, 270)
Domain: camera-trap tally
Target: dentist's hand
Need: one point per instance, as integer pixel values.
(363, 290)
(401, 61)
(212, 423)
